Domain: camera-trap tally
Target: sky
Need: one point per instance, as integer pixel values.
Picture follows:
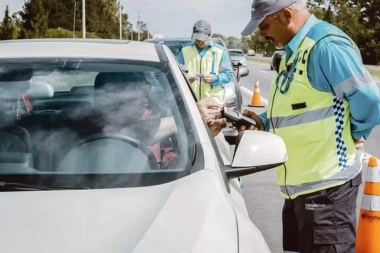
(175, 18)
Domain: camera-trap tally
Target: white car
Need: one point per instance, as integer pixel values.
(79, 170)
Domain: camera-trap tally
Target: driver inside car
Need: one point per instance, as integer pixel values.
(124, 102)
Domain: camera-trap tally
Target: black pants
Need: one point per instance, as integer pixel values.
(322, 222)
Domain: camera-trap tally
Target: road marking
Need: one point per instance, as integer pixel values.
(249, 93)
(266, 72)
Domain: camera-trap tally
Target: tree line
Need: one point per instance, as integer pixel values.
(63, 19)
(360, 19)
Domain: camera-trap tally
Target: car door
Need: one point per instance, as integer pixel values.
(250, 237)
(221, 147)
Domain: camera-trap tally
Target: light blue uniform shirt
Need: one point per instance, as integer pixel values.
(335, 66)
(226, 72)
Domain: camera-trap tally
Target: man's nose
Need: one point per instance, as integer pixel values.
(262, 33)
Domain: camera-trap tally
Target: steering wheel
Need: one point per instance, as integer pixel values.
(127, 139)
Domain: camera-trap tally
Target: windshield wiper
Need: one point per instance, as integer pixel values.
(28, 187)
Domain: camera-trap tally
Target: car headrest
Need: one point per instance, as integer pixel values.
(82, 90)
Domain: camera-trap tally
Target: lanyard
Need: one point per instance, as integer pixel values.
(213, 61)
(288, 74)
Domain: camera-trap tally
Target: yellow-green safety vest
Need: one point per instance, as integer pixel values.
(315, 127)
(209, 64)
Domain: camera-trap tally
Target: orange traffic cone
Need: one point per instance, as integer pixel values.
(368, 232)
(256, 97)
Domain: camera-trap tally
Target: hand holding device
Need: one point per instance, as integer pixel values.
(237, 119)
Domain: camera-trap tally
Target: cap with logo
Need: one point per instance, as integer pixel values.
(263, 8)
(201, 30)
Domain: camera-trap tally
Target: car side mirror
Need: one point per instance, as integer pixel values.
(256, 151)
(237, 73)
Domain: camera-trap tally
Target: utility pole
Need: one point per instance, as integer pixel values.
(130, 28)
(138, 25)
(120, 26)
(147, 29)
(75, 11)
(84, 18)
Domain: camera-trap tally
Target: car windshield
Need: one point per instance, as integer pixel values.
(96, 123)
(175, 46)
(235, 53)
(219, 42)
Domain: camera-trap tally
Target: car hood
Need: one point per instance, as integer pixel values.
(192, 214)
(237, 58)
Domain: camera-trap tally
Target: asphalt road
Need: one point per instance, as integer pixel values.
(377, 67)
(261, 193)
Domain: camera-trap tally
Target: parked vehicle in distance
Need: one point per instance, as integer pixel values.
(275, 60)
(239, 60)
(233, 95)
(251, 52)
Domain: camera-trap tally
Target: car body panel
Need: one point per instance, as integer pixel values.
(191, 211)
(78, 48)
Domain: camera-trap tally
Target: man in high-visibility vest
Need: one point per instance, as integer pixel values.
(323, 103)
(206, 63)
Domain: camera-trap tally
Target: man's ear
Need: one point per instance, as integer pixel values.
(287, 14)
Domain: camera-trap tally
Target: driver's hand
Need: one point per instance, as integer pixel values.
(216, 125)
(209, 108)
(210, 111)
(255, 117)
(192, 79)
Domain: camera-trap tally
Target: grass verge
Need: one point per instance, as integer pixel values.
(259, 60)
(374, 72)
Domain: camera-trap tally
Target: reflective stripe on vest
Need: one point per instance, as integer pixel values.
(314, 125)
(335, 180)
(209, 64)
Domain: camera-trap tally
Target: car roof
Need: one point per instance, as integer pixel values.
(79, 48)
(181, 39)
(170, 39)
